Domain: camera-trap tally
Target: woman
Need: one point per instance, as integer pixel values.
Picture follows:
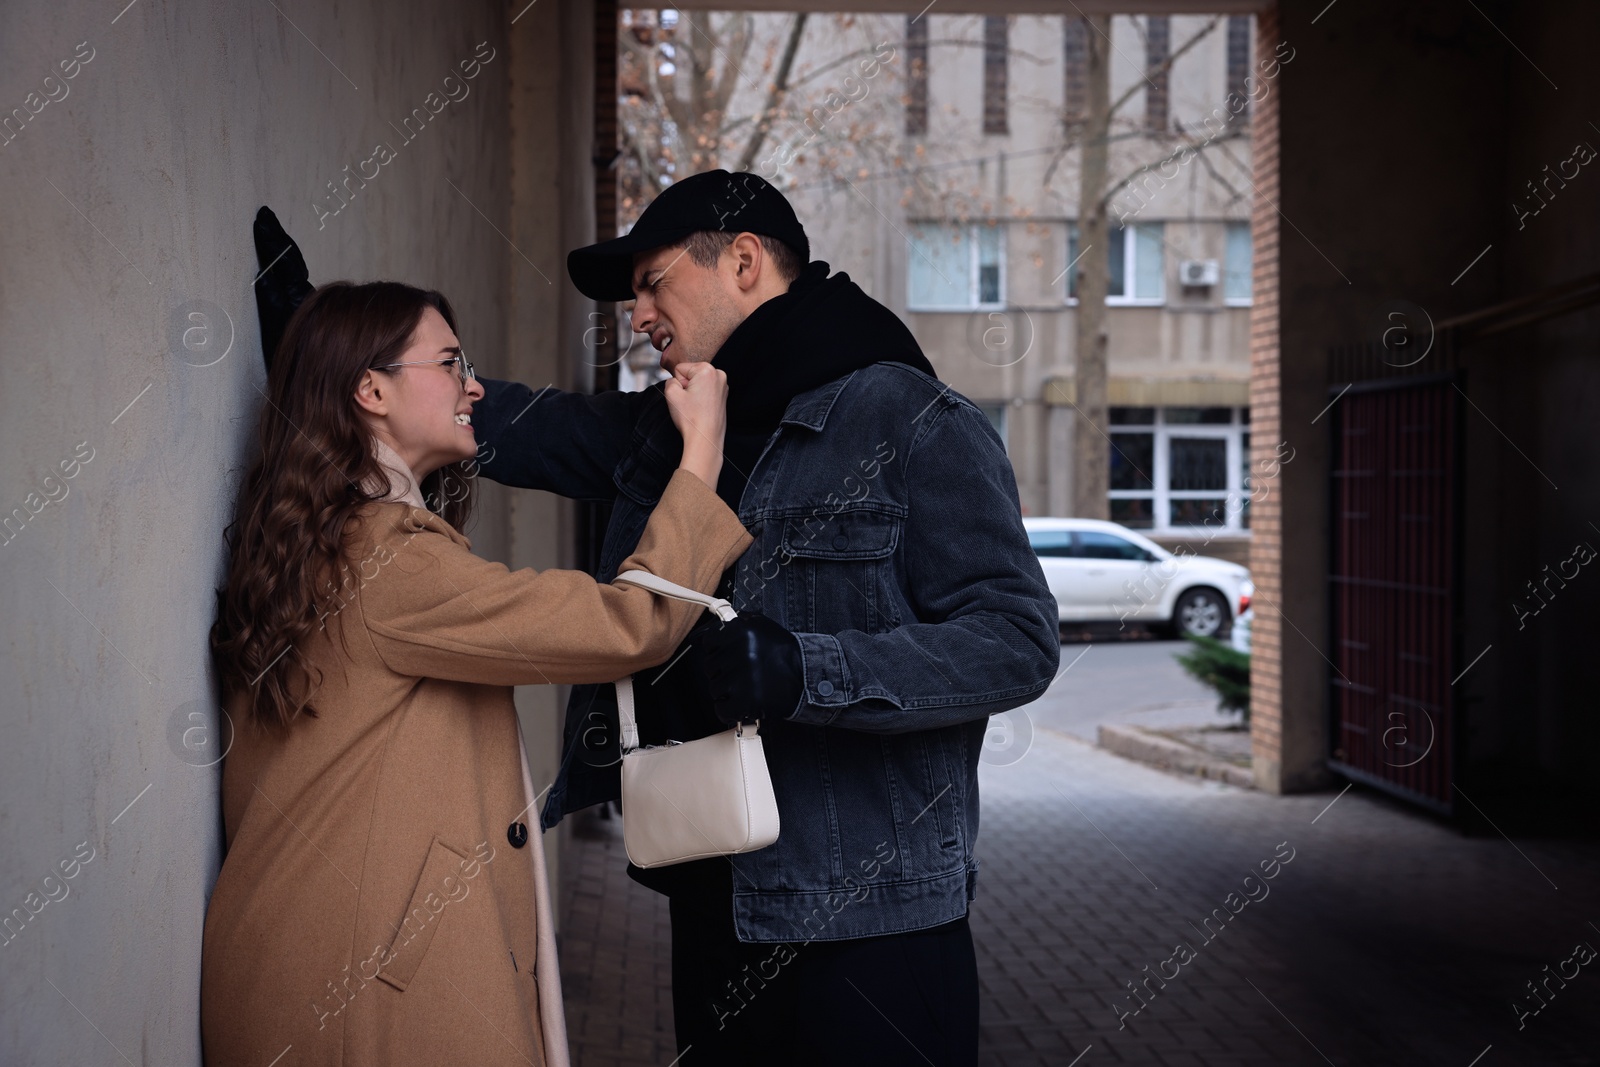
(383, 899)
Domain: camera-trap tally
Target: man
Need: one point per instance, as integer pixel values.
(889, 605)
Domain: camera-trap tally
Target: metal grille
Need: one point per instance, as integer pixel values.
(1157, 40)
(1394, 585)
(917, 77)
(1239, 31)
(1076, 67)
(994, 74)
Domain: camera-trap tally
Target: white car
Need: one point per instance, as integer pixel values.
(1103, 572)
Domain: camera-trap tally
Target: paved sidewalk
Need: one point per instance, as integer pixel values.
(616, 954)
(1125, 681)
(1386, 938)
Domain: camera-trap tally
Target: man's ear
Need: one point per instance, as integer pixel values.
(749, 260)
(371, 396)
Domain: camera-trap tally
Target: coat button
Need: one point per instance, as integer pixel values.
(841, 541)
(517, 834)
(825, 688)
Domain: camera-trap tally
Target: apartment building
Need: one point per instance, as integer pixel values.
(949, 190)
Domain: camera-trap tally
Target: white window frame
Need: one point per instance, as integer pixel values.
(1161, 495)
(974, 285)
(1237, 301)
(1129, 267)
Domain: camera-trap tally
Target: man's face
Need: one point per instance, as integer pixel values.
(687, 310)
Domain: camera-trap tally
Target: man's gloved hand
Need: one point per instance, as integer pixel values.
(282, 283)
(752, 668)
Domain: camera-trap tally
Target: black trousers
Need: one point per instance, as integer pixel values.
(907, 999)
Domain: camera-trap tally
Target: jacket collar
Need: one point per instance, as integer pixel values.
(402, 484)
(810, 409)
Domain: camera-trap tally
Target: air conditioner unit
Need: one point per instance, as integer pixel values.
(1198, 272)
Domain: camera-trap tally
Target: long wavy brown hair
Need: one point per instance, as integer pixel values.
(316, 466)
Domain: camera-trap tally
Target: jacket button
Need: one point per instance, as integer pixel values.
(517, 834)
(841, 541)
(825, 688)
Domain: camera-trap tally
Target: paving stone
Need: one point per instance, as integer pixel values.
(1388, 938)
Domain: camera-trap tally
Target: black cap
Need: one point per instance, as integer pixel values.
(715, 200)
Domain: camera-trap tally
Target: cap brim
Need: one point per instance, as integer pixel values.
(604, 271)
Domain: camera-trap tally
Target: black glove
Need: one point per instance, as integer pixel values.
(752, 667)
(282, 283)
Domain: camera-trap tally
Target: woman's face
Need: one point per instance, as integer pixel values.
(421, 411)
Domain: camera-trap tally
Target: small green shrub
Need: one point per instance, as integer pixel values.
(1223, 668)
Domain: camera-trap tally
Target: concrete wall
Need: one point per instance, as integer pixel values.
(1407, 134)
(127, 205)
(1548, 376)
(549, 336)
(1418, 133)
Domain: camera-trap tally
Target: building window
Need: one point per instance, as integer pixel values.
(1157, 42)
(917, 79)
(994, 74)
(1138, 263)
(997, 419)
(1077, 68)
(1236, 264)
(1239, 59)
(1175, 468)
(954, 267)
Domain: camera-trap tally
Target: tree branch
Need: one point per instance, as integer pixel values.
(647, 169)
(1165, 65)
(775, 94)
(1205, 161)
(1188, 146)
(1074, 141)
(732, 71)
(796, 83)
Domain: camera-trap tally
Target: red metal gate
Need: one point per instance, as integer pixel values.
(1393, 585)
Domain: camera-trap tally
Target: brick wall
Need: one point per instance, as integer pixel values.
(1266, 413)
(1233, 548)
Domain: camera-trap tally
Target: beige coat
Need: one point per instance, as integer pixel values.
(373, 907)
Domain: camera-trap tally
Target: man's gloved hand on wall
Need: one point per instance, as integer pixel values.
(282, 283)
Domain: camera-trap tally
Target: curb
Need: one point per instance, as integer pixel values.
(1137, 743)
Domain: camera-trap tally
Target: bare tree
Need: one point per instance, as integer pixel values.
(677, 76)
(682, 111)
(1091, 467)
(1091, 462)
(679, 80)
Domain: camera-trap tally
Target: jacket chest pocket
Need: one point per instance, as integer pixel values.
(642, 477)
(640, 483)
(841, 571)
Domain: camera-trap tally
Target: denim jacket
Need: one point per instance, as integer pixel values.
(889, 539)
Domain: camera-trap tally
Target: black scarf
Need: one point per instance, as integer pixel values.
(821, 329)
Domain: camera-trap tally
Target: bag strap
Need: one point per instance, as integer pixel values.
(657, 584)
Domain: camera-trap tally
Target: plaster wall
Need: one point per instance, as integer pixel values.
(129, 349)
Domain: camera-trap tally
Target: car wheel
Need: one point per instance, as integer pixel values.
(1202, 613)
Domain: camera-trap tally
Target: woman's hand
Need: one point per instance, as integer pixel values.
(697, 397)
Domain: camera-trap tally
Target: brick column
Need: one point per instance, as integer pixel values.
(1266, 414)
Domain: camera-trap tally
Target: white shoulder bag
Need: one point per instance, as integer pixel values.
(687, 800)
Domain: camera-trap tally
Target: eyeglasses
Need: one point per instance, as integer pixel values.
(463, 368)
